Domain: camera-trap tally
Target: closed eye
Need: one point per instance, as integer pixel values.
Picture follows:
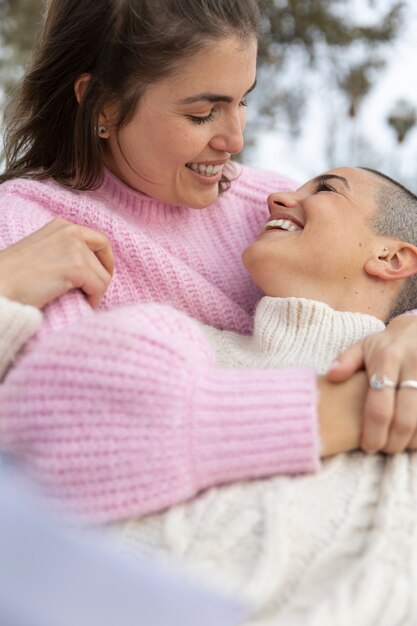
(204, 119)
(201, 119)
(322, 185)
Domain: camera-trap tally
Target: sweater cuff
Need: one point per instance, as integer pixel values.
(254, 423)
(18, 322)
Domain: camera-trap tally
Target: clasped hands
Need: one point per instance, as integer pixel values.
(388, 411)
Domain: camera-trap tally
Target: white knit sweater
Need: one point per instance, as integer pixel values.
(18, 322)
(334, 549)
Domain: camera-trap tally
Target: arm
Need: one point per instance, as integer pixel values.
(129, 414)
(18, 322)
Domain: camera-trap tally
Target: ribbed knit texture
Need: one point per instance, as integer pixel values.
(125, 411)
(18, 322)
(334, 549)
(293, 332)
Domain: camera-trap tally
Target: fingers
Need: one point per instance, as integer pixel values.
(90, 261)
(58, 257)
(413, 442)
(390, 423)
(380, 404)
(94, 282)
(404, 423)
(99, 244)
(378, 411)
(95, 270)
(347, 363)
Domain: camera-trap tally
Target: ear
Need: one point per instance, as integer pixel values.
(80, 86)
(398, 263)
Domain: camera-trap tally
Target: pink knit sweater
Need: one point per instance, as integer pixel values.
(124, 411)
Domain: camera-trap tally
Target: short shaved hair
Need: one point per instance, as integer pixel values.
(397, 217)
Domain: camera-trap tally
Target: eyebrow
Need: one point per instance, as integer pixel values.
(324, 177)
(208, 96)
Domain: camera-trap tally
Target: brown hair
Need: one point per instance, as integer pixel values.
(124, 45)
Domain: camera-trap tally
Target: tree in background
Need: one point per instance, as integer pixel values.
(323, 32)
(402, 119)
(322, 35)
(19, 23)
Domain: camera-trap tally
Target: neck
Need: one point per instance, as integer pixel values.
(371, 297)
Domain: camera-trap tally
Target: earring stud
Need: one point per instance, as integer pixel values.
(102, 130)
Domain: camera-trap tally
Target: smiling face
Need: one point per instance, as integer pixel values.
(187, 126)
(318, 240)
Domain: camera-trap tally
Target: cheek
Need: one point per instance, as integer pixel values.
(193, 138)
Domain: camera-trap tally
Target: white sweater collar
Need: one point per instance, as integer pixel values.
(300, 332)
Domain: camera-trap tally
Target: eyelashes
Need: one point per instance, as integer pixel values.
(198, 119)
(324, 186)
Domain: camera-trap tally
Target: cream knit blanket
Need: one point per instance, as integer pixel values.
(333, 549)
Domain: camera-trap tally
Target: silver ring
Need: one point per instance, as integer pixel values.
(408, 384)
(379, 381)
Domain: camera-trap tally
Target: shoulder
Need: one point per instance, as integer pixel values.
(26, 205)
(37, 192)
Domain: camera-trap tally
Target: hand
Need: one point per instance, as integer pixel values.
(340, 413)
(53, 260)
(390, 415)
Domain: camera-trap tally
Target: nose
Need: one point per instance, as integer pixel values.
(230, 137)
(282, 199)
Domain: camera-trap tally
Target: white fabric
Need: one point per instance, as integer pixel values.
(334, 549)
(18, 322)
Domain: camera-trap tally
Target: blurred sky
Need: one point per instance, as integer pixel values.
(367, 140)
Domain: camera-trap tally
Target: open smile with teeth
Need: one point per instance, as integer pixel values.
(205, 170)
(282, 225)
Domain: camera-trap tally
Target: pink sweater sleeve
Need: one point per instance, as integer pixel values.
(126, 413)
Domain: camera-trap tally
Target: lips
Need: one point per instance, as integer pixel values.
(205, 170)
(284, 222)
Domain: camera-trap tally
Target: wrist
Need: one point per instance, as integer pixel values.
(340, 413)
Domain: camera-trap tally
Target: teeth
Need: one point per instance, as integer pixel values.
(205, 170)
(282, 225)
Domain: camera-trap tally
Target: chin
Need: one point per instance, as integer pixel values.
(252, 259)
(201, 201)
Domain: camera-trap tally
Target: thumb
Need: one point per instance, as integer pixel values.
(347, 363)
